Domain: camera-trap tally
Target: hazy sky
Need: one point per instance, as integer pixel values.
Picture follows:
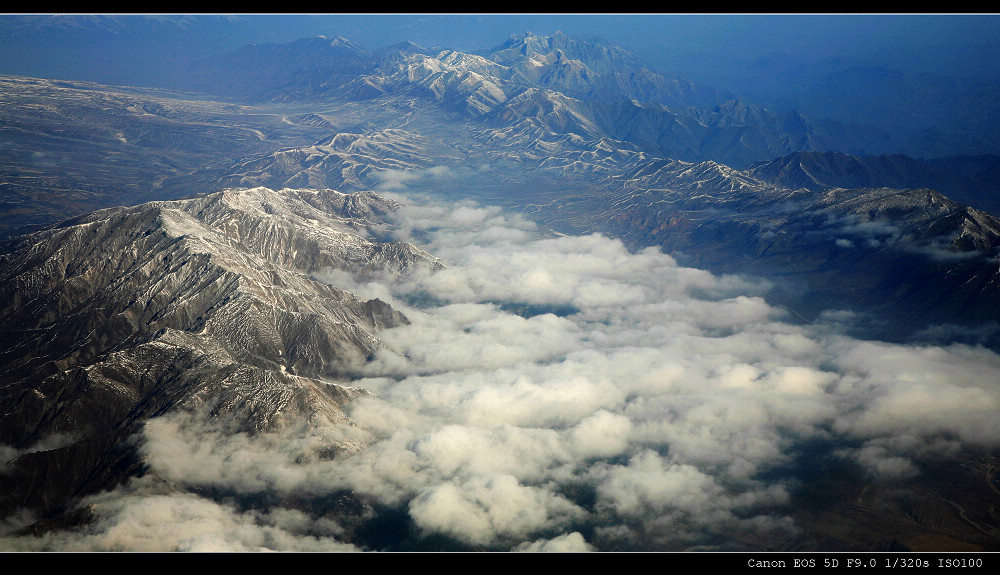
(702, 47)
(941, 43)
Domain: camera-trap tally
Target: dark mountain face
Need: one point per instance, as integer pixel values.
(969, 179)
(956, 108)
(934, 263)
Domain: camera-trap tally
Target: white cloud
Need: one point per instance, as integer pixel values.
(391, 179)
(666, 393)
(487, 508)
(144, 517)
(568, 543)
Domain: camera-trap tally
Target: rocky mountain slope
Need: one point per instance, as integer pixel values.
(210, 303)
(911, 258)
(970, 179)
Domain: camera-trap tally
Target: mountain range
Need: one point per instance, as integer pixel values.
(129, 313)
(590, 85)
(185, 250)
(968, 179)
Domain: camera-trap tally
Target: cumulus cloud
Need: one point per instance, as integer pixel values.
(561, 393)
(391, 179)
(568, 543)
(144, 517)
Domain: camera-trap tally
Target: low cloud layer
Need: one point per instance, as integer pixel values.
(399, 179)
(561, 393)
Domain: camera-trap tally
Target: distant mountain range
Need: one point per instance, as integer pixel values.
(588, 87)
(852, 107)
